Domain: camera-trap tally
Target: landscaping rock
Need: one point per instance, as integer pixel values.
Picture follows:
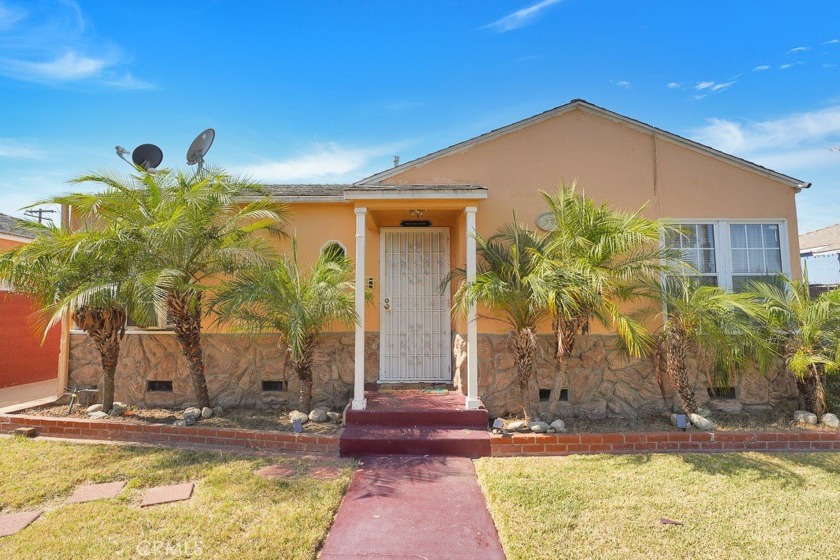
(94, 408)
(539, 427)
(830, 420)
(334, 417)
(674, 420)
(97, 415)
(298, 415)
(319, 414)
(805, 417)
(179, 423)
(218, 410)
(516, 426)
(701, 423)
(558, 426)
(190, 420)
(118, 409)
(206, 412)
(192, 412)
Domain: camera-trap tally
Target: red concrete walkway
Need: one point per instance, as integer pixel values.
(413, 507)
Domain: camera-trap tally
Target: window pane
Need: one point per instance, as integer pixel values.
(754, 236)
(689, 237)
(773, 260)
(706, 235)
(738, 233)
(739, 260)
(690, 256)
(771, 235)
(707, 260)
(741, 283)
(756, 257)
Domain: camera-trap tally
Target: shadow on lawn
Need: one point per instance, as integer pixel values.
(765, 468)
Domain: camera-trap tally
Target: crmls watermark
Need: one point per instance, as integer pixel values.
(170, 549)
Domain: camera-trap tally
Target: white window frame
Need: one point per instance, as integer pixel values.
(723, 243)
(333, 242)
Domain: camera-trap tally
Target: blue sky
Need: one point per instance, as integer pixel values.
(330, 91)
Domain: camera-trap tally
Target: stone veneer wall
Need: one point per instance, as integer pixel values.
(600, 382)
(236, 365)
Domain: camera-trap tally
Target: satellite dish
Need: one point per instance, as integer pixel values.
(147, 156)
(200, 146)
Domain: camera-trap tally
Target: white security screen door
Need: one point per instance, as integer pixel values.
(414, 326)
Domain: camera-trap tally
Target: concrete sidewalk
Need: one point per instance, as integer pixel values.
(413, 507)
(21, 397)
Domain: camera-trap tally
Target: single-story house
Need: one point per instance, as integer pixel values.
(408, 226)
(23, 359)
(820, 253)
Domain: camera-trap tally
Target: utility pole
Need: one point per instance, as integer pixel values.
(39, 212)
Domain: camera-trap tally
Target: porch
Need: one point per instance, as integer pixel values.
(408, 239)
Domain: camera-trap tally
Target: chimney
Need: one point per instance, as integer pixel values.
(396, 161)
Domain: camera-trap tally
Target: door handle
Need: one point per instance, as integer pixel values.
(386, 303)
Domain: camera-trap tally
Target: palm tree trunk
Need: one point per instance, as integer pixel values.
(565, 336)
(676, 348)
(303, 369)
(109, 354)
(186, 314)
(525, 348)
(812, 392)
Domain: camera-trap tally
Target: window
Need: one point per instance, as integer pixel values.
(164, 322)
(335, 247)
(159, 386)
(275, 386)
(732, 253)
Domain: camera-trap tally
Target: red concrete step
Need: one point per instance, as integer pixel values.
(419, 417)
(357, 441)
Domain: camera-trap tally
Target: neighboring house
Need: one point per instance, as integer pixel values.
(23, 359)
(820, 253)
(741, 217)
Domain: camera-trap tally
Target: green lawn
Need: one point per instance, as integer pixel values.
(733, 506)
(232, 514)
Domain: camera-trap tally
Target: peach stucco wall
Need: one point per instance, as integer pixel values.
(613, 163)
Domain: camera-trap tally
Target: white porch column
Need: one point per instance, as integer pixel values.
(473, 401)
(359, 401)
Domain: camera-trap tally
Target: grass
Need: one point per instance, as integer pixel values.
(733, 506)
(233, 513)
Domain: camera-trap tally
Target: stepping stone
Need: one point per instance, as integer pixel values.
(91, 492)
(325, 473)
(11, 523)
(276, 471)
(166, 494)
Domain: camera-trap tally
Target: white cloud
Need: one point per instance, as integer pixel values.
(721, 87)
(785, 66)
(15, 149)
(10, 15)
(831, 42)
(325, 162)
(812, 129)
(698, 97)
(520, 18)
(70, 66)
(761, 68)
(714, 86)
(50, 45)
(673, 85)
(623, 84)
(796, 50)
(703, 85)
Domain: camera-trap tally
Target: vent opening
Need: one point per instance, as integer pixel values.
(275, 386)
(721, 392)
(157, 386)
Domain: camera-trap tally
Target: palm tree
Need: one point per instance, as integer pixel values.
(718, 326)
(86, 275)
(297, 306)
(595, 259)
(806, 331)
(186, 231)
(508, 284)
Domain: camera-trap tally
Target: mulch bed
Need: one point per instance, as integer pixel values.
(273, 419)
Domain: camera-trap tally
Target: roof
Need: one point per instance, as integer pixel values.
(342, 193)
(825, 240)
(9, 225)
(600, 111)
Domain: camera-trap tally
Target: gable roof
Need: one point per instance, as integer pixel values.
(342, 193)
(605, 113)
(825, 240)
(9, 225)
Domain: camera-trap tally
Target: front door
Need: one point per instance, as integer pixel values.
(414, 311)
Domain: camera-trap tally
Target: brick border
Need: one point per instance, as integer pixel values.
(165, 434)
(518, 445)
